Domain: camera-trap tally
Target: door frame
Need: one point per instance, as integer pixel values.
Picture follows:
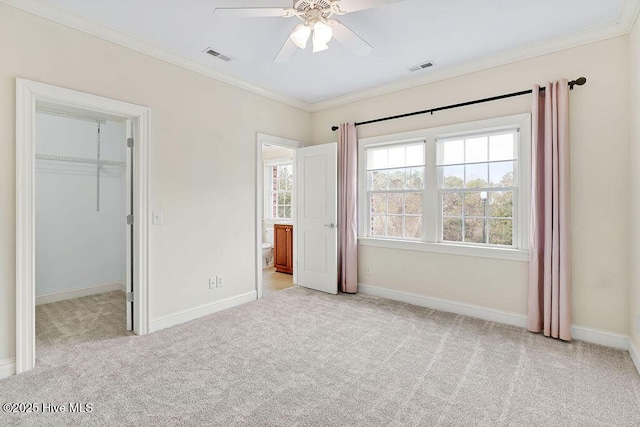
(30, 94)
(262, 138)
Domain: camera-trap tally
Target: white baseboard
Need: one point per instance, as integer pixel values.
(7, 368)
(448, 306)
(600, 337)
(582, 333)
(635, 355)
(77, 293)
(200, 311)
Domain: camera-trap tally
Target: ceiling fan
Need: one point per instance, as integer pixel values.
(316, 23)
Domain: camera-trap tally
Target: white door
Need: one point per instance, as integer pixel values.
(317, 229)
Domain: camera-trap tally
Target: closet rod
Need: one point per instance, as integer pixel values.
(578, 82)
(43, 156)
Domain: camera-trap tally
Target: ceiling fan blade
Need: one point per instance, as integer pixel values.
(348, 6)
(253, 12)
(286, 52)
(350, 39)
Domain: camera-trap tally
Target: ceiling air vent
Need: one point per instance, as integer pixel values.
(422, 66)
(217, 54)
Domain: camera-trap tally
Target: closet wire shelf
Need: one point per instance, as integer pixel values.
(43, 156)
(97, 161)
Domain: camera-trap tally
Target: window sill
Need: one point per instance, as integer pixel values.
(448, 248)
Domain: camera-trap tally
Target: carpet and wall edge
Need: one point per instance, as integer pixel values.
(79, 293)
(7, 367)
(635, 355)
(582, 333)
(200, 311)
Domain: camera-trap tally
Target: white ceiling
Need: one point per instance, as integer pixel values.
(449, 32)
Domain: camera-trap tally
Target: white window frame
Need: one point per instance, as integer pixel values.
(431, 217)
(515, 189)
(367, 191)
(268, 207)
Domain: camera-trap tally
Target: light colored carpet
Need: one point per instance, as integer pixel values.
(303, 358)
(90, 318)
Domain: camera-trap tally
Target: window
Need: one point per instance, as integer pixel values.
(478, 188)
(395, 189)
(279, 184)
(460, 189)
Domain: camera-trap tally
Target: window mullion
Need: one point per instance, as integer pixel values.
(476, 189)
(485, 220)
(464, 195)
(430, 202)
(416, 190)
(404, 213)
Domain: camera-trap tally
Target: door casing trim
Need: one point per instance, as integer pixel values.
(262, 138)
(30, 94)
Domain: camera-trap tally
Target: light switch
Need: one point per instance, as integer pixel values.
(157, 218)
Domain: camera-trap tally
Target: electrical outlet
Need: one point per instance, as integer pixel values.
(219, 281)
(367, 269)
(212, 282)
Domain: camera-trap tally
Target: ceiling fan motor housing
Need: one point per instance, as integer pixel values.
(317, 9)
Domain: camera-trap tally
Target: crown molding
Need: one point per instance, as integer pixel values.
(77, 22)
(629, 10)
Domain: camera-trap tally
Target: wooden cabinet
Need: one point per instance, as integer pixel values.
(283, 248)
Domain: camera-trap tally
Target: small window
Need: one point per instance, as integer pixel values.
(478, 188)
(280, 187)
(395, 190)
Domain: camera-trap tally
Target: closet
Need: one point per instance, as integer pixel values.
(80, 203)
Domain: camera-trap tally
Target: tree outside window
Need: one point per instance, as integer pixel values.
(395, 191)
(477, 188)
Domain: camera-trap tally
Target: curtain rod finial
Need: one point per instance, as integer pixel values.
(334, 128)
(579, 82)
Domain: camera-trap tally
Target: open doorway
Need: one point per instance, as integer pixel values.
(276, 264)
(34, 100)
(83, 177)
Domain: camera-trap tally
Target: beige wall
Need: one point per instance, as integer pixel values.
(599, 173)
(280, 153)
(634, 295)
(203, 132)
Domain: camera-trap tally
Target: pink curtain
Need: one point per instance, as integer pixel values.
(347, 208)
(550, 239)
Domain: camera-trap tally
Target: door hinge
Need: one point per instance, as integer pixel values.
(129, 296)
(129, 142)
(129, 219)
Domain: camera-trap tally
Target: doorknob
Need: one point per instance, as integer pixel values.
(331, 226)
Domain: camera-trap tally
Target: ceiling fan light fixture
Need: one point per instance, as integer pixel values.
(322, 33)
(319, 47)
(301, 35)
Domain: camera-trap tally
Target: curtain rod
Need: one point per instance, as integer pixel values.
(578, 82)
